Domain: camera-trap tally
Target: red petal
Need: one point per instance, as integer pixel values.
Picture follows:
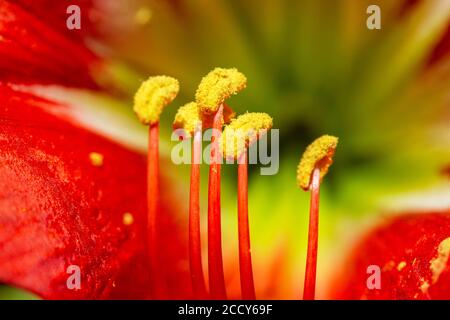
(54, 15)
(57, 209)
(403, 249)
(32, 51)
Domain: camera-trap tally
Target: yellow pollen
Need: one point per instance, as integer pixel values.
(96, 159)
(242, 132)
(127, 219)
(188, 117)
(153, 95)
(389, 266)
(217, 86)
(318, 154)
(438, 264)
(401, 265)
(424, 286)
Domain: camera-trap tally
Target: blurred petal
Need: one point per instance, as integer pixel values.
(31, 51)
(412, 253)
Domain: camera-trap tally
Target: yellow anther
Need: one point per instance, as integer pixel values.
(188, 117)
(217, 86)
(242, 132)
(96, 159)
(318, 154)
(153, 95)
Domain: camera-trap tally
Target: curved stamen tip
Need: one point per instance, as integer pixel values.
(189, 117)
(318, 154)
(153, 95)
(217, 86)
(242, 132)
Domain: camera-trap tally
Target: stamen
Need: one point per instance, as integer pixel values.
(215, 260)
(195, 248)
(217, 86)
(188, 118)
(153, 205)
(245, 255)
(312, 168)
(153, 95)
(318, 154)
(151, 98)
(214, 89)
(240, 134)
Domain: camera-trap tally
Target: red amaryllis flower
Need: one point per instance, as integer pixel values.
(72, 169)
(68, 196)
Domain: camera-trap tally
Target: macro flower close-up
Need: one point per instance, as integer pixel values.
(226, 149)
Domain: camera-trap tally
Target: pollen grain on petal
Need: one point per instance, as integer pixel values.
(127, 219)
(152, 96)
(401, 266)
(439, 263)
(217, 86)
(96, 159)
(317, 154)
(242, 132)
(424, 286)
